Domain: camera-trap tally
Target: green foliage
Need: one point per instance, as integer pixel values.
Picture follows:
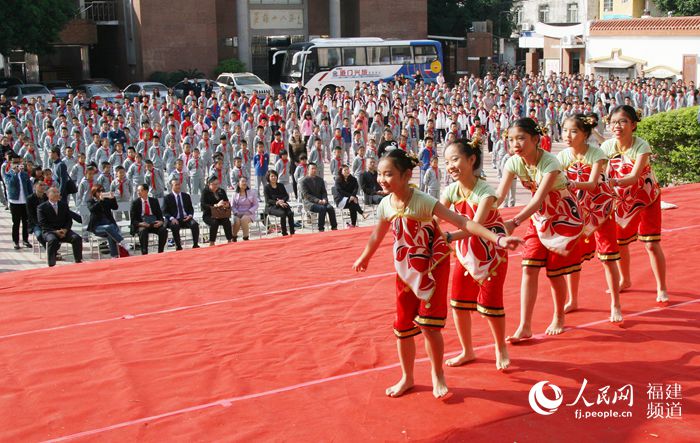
(453, 17)
(171, 78)
(679, 7)
(674, 137)
(32, 26)
(229, 65)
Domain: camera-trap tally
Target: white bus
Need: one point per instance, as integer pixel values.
(326, 63)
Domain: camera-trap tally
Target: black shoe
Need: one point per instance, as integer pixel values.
(179, 248)
(246, 238)
(235, 239)
(17, 246)
(195, 246)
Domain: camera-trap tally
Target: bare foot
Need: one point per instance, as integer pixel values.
(399, 388)
(520, 335)
(615, 314)
(439, 385)
(662, 297)
(570, 306)
(502, 358)
(556, 327)
(463, 358)
(624, 286)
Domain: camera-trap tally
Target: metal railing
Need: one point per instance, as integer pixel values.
(100, 11)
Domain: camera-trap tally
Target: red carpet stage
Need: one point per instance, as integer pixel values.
(278, 340)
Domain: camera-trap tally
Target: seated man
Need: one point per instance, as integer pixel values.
(315, 198)
(370, 187)
(146, 218)
(179, 214)
(33, 202)
(55, 220)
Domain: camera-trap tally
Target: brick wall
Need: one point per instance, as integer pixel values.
(407, 19)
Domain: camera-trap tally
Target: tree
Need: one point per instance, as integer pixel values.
(679, 7)
(454, 17)
(33, 26)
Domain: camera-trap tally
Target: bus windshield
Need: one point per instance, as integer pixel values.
(292, 72)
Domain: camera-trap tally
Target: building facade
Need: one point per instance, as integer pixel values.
(660, 47)
(128, 40)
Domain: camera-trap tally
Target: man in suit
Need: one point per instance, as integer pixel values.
(60, 175)
(147, 218)
(55, 220)
(370, 187)
(33, 202)
(315, 198)
(179, 214)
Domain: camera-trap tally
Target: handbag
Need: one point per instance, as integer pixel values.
(220, 212)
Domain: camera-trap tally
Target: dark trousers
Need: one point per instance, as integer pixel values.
(162, 238)
(53, 243)
(322, 210)
(214, 224)
(373, 199)
(190, 224)
(285, 215)
(19, 215)
(354, 210)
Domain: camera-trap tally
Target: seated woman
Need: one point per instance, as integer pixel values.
(277, 202)
(345, 194)
(214, 196)
(244, 204)
(102, 224)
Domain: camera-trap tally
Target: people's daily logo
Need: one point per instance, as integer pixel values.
(540, 402)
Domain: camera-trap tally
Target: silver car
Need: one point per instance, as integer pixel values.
(244, 82)
(144, 88)
(101, 91)
(24, 93)
(59, 88)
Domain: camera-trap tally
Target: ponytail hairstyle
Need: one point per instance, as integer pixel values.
(635, 115)
(584, 122)
(402, 160)
(528, 125)
(468, 149)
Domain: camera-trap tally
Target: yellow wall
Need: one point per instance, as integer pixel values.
(622, 9)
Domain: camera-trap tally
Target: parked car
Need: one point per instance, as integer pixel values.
(179, 88)
(59, 88)
(24, 93)
(6, 82)
(144, 88)
(244, 82)
(100, 91)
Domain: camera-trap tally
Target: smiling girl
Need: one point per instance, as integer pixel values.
(421, 259)
(552, 234)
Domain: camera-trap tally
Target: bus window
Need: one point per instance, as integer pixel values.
(425, 53)
(354, 57)
(378, 55)
(292, 72)
(401, 55)
(328, 58)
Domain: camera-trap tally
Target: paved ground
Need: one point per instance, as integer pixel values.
(12, 260)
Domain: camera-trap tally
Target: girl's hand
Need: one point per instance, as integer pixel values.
(510, 226)
(511, 243)
(361, 264)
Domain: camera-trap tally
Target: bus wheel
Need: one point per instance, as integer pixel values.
(330, 88)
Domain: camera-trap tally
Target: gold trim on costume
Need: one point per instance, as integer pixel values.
(466, 305)
(491, 312)
(649, 238)
(627, 241)
(533, 262)
(408, 333)
(428, 321)
(564, 271)
(609, 257)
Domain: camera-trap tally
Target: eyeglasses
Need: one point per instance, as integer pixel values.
(614, 123)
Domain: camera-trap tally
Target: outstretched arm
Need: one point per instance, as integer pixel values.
(375, 239)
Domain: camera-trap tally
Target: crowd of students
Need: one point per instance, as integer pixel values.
(90, 148)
